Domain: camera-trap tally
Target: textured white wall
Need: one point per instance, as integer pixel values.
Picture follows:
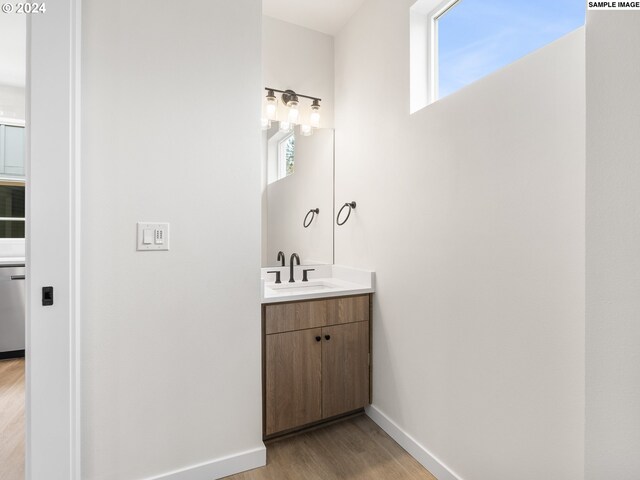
(613, 246)
(170, 340)
(471, 212)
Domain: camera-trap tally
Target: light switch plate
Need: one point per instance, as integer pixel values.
(160, 236)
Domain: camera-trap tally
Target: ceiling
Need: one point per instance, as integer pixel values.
(13, 50)
(326, 16)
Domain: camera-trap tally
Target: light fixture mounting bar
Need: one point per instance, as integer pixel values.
(298, 94)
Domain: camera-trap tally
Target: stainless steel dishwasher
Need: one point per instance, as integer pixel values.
(12, 311)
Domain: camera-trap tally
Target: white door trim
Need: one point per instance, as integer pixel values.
(53, 242)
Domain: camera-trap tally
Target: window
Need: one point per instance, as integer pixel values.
(12, 209)
(469, 39)
(281, 154)
(286, 155)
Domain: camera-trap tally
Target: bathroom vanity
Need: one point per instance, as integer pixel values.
(316, 331)
(316, 352)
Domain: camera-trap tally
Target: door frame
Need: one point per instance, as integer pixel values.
(52, 409)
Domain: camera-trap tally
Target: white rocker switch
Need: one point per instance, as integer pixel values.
(147, 236)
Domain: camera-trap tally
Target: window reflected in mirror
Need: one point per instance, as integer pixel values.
(281, 154)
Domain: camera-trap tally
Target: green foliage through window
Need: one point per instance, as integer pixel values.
(289, 153)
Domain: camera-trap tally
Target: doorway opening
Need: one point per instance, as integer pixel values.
(13, 184)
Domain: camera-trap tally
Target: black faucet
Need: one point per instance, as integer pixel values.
(297, 258)
(281, 257)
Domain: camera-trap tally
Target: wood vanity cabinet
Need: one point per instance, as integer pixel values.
(316, 361)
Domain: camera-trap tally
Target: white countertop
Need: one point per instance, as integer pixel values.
(11, 261)
(326, 281)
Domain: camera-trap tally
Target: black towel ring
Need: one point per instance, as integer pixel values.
(311, 212)
(352, 206)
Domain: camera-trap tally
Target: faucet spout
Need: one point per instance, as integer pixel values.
(294, 256)
(281, 257)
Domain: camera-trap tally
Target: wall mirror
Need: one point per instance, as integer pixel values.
(297, 198)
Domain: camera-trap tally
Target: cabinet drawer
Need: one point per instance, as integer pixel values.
(287, 317)
(295, 316)
(348, 310)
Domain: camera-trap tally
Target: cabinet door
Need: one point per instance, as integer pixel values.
(345, 368)
(292, 379)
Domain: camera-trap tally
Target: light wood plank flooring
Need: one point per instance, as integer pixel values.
(12, 419)
(353, 449)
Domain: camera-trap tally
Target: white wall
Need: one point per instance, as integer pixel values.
(12, 102)
(300, 59)
(471, 212)
(170, 340)
(613, 246)
(13, 50)
(290, 198)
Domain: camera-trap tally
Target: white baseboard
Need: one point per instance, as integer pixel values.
(406, 441)
(221, 467)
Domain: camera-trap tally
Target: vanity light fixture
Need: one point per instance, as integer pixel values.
(314, 118)
(271, 107)
(292, 105)
(291, 100)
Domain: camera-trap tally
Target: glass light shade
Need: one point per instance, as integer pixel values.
(305, 130)
(314, 118)
(271, 108)
(266, 123)
(293, 111)
(285, 126)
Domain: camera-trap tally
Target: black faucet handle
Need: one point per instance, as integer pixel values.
(304, 273)
(277, 272)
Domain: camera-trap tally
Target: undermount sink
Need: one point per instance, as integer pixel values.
(298, 286)
(327, 281)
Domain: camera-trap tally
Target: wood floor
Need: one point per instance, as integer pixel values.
(12, 419)
(353, 449)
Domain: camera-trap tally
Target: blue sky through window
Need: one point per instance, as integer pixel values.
(477, 37)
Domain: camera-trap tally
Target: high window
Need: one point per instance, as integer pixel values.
(458, 42)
